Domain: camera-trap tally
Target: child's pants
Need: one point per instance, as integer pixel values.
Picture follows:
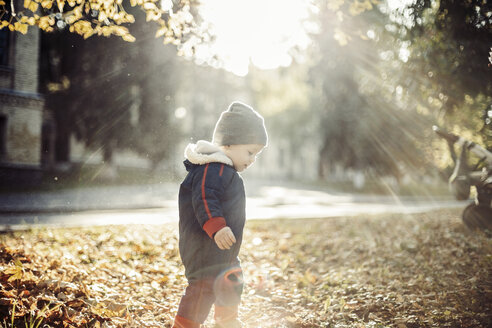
(224, 292)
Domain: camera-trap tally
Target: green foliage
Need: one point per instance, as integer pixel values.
(451, 40)
(383, 78)
(284, 97)
(37, 320)
(449, 45)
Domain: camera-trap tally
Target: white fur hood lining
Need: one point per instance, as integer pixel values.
(204, 152)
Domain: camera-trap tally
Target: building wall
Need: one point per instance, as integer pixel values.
(281, 161)
(23, 134)
(26, 61)
(20, 104)
(81, 154)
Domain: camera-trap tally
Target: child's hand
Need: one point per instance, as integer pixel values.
(224, 238)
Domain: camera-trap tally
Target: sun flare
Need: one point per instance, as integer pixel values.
(254, 31)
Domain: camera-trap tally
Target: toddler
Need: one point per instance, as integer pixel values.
(212, 215)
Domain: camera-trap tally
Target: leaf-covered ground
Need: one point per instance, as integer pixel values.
(420, 270)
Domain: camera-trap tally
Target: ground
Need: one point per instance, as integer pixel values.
(392, 270)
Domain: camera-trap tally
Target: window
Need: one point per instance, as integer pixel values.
(4, 45)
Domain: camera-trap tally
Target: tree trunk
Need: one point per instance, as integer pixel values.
(323, 154)
(109, 171)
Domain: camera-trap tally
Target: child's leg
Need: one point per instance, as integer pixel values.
(225, 313)
(182, 322)
(195, 304)
(228, 291)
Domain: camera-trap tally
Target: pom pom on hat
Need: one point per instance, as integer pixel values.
(240, 125)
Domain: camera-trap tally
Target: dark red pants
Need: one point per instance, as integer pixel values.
(223, 291)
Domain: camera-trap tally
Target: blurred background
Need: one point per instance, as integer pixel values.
(349, 89)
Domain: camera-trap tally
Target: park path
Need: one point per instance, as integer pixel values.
(157, 204)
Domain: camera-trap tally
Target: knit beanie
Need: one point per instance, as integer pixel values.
(240, 125)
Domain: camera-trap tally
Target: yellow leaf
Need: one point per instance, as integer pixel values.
(168, 40)
(61, 4)
(11, 27)
(44, 23)
(160, 32)
(31, 21)
(14, 277)
(120, 30)
(128, 38)
(81, 27)
(3, 24)
(102, 16)
(149, 6)
(153, 16)
(16, 272)
(11, 270)
(163, 280)
(33, 6)
(47, 4)
(2, 3)
(130, 18)
(105, 31)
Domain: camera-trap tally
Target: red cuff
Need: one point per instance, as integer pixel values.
(182, 322)
(213, 225)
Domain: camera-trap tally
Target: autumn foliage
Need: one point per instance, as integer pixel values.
(419, 270)
(174, 19)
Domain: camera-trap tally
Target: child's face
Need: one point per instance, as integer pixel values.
(242, 156)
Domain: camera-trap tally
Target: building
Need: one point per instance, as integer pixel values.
(21, 108)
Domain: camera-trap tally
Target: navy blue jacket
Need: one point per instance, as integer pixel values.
(210, 197)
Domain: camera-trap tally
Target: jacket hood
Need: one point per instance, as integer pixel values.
(204, 152)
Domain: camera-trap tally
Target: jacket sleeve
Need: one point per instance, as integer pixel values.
(207, 192)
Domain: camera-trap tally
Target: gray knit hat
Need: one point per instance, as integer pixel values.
(240, 125)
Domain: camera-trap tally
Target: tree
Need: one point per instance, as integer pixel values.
(112, 95)
(174, 18)
(158, 76)
(449, 42)
(91, 92)
(363, 126)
